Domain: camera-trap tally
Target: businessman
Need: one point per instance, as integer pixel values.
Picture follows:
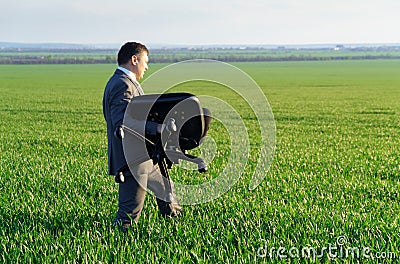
(143, 175)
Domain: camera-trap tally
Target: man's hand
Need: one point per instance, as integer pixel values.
(119, 132)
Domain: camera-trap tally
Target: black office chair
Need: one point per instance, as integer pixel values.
(185, 124)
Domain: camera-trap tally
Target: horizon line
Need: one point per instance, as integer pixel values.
(204, 44)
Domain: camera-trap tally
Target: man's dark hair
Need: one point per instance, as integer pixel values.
(128, 50)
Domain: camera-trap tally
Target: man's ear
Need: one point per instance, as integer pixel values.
(134, 60)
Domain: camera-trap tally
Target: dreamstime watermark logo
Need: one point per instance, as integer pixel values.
(339, 250)
(226, 112)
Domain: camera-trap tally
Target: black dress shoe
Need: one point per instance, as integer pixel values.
(121, 225)
(169, 209)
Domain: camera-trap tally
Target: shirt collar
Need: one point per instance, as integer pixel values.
(128, 72)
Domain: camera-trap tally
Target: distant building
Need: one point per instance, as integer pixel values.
(338, 47)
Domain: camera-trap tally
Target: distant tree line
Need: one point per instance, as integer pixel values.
(160, 57)
(273, 58)
(51, 60)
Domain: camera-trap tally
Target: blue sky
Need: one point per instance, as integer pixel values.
(201, 21)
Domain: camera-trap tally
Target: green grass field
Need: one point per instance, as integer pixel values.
(336, 171)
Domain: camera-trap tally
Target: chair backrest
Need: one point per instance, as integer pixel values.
(192, 121)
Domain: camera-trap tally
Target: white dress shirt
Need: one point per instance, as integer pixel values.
(130, 74)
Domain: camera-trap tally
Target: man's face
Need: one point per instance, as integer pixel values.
(141, 65)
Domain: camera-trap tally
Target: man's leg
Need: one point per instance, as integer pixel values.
(132, 193)
(130, 200)
(164, 191)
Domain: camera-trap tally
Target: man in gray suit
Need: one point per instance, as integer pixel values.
(122, 86)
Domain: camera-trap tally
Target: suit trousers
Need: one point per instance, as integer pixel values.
(132, 192)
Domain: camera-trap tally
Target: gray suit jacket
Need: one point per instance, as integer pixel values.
(117, 94)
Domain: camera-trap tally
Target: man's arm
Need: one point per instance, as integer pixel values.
(119, 100)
